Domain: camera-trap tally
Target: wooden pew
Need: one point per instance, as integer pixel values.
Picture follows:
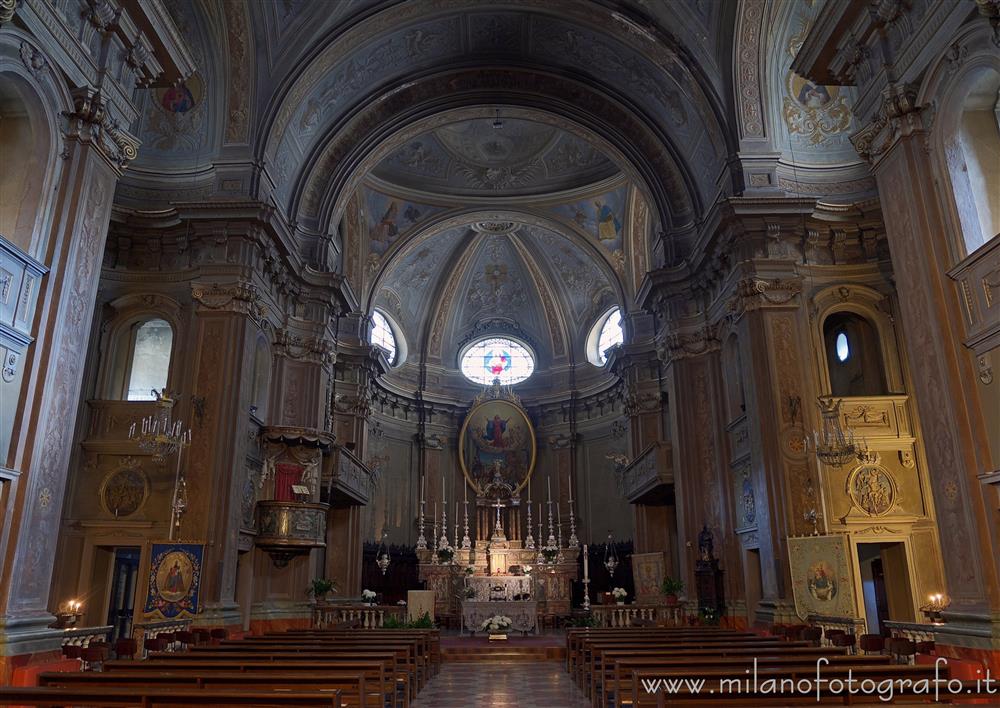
(351, 685)
(146, 696)
(431, 636)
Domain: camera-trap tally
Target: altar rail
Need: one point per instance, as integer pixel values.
(624, 615)
(917, 632)
(85, 636)
(851, 625)
(364, 616)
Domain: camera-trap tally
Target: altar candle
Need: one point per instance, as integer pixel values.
(586, 563)
(443, 497)
(570, 478)
(423, 488)
(550, 487)
(465, 491)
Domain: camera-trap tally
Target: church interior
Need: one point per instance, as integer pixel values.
(497, 353)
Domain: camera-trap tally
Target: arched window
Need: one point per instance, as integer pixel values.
(150, 345)
(606, 333)
(853, 356)
(383, 335)
(497, 358)
(973, 156)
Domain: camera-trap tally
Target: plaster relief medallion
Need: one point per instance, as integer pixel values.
(124, 491)
(794, 441)
(872, 489)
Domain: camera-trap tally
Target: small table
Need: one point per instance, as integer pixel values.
(523, 614)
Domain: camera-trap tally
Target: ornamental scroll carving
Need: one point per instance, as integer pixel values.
(756, 293)
(310, 349)
(240, 297)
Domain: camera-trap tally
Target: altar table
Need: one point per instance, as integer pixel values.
(523, 614)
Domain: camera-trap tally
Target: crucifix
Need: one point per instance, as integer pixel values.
(498, 534)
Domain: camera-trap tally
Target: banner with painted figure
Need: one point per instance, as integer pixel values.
(647, 571)
(174, 580)
(822, 576)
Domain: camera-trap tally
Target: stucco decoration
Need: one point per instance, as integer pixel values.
(811, 123)
(387, 219)
(178, 122)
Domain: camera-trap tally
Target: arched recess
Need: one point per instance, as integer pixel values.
(867, 304)
(32, 102)
(968, 64)
(114, 349)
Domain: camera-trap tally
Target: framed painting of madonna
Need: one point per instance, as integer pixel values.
(497, 437)
(173, 580)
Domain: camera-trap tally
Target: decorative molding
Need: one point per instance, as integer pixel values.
(241, 298)
(90, 122)
(7, 10)
(756, 293)
(311, 349)
(748, 70)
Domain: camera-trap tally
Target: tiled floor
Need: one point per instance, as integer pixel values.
(510, 685)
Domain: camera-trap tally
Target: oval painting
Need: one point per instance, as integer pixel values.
(497, 441)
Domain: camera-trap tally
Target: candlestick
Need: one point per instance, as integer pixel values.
(466, 541)
(443, 497)
(421, 539)
(456, 524)
(540, 560)
(443, 541)
(573, 541)
(529, 541)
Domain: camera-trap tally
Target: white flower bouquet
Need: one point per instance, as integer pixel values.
(368, 596)
(619, 594)
(496, 623)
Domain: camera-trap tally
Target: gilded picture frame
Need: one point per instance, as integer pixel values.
(497, 430)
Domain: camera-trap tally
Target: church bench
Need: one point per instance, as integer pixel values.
(590, 660)
(576, 639)
(378, 674)
(421, 641)
(621, 668)
(602, 659)
(406, 652)
(353, 689)
(144, 696)
(431, 636)
(625, 689)
(403, 673)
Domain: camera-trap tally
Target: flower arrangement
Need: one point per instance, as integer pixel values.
(550, 554)
(619, 594)
(469, 569)
(496, 623)
(368, 596)
(319, 587)
(445, 554)
(470, 593)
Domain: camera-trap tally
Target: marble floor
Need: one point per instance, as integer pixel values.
(482, 684)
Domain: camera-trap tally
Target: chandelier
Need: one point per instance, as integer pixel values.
(833, 447)
(160, 436)
(610, 557)
(383, 556)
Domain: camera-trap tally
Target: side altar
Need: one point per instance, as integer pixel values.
(501, 561)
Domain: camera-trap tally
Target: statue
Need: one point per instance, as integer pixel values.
(706, 545)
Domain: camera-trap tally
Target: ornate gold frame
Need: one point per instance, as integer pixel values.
(465, 429)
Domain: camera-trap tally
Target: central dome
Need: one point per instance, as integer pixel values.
(495, 157)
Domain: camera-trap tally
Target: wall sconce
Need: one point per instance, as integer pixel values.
(69, 614)
(936, 604)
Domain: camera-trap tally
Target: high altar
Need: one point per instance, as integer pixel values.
(513, 572)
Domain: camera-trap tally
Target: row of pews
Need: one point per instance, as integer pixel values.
(618, 667)
(376, 668)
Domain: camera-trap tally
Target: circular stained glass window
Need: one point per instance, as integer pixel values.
(497, 358)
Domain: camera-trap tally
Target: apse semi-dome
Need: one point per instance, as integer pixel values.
(501, 358)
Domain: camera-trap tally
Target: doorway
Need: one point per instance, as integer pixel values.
(121, 601)
(885, 585)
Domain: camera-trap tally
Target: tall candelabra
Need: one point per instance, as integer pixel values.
(161, 436)
(540, 559)
(529, 540)
(559, 556)
(551, 542)
(443, 541)
(573, 541)
(421, 539)
(466, 541)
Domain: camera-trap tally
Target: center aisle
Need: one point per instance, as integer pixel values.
(532, 684)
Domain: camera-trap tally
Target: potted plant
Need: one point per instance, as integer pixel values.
(470, 570)
(319, 588)
(445, 554)
(470, 593)
(368, 597)
(671, 589)
(619, 594)
(497, 626)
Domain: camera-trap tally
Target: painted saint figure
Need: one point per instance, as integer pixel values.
(494, 431)
(608, 226)
(175, 579)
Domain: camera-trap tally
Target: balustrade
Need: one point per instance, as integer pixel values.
(624, 615)
(363, 616)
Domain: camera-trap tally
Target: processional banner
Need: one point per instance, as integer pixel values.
(173, 589)
(822, 576)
